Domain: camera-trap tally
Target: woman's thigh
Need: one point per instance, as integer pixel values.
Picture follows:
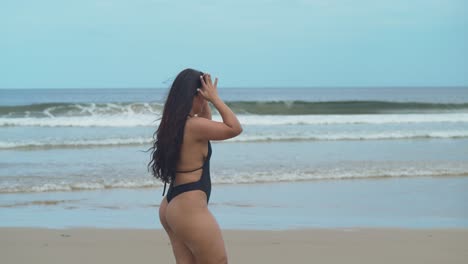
(199, 230)
(182, 253)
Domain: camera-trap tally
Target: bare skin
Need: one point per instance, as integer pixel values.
(192, 229)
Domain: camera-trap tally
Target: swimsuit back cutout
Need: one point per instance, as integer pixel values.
(203, 184)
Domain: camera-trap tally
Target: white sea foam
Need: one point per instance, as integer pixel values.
(338, 173)
(83, 121)
(351, 119)
(77, 186)
(136, 120)
(236, 177)
(308, 136)
(246, 137)
(73, 143)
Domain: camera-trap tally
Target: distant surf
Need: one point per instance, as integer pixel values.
(281, 107)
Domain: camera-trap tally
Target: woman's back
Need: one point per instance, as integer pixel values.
(193, 153)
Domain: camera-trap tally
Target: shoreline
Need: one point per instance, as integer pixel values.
(308, 245)
(397, 202)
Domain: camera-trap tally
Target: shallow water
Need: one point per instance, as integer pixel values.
(392, 202)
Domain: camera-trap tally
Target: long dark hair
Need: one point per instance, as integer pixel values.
(170, 133)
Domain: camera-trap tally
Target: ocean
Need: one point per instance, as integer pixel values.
(307, 157)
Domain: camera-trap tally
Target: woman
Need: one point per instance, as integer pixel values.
(180, 157)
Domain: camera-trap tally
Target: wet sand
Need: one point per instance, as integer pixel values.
(339, 245)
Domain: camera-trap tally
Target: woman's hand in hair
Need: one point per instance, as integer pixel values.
(208, 90)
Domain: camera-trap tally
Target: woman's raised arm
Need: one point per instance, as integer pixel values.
(212, 130)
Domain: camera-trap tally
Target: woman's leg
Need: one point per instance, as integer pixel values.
(182, 253)
(206, 241)
(201, 233)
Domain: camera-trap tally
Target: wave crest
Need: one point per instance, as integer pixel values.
(281, 107)
(106, 142)
(240, 178)
(152, 120)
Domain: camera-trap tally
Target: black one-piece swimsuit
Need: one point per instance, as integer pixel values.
(204, 183)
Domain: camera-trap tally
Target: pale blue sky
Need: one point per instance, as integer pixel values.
(267, 43)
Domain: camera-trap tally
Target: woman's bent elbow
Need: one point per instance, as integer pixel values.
(234, 132)
(238, 131)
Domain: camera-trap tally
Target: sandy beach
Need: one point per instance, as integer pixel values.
(340, 245)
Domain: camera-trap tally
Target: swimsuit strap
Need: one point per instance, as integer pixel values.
(164, 188)
(190, 170)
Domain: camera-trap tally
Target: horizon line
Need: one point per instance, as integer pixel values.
(243, 87)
